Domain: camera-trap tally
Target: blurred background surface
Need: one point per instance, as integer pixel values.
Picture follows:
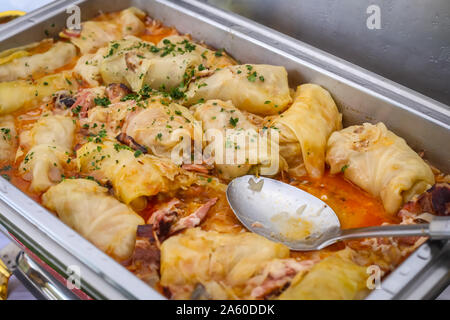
(412, 47)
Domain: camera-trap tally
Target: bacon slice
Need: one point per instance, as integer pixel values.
(71, 33)
(84, 99)
(196, 168)
(129, 141)
(145, 261)
(116, 91)
(163, 219)
(435, 200)
(276, 277)
(193, 219)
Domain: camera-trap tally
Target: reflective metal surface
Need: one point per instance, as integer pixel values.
(287, 214)
(42, 284)
(360, 95)
(412, 46)
(282, 213)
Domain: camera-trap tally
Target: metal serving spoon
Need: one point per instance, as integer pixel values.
(286, 214)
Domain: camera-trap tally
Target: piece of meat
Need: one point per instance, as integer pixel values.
(193, 219)
(63, 99)
(435, 200)
(163, 218)
(196, 168)
(133, 61)
(145, 261)
(129, 141)
(116, 91)
(71, 33)
(276, 277)
(84, 101)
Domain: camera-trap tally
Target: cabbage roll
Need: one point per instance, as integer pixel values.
(43, 166)
(91, 211)
(56, 130)
(108, 120)
(305, 128)
(24, 51)
(160, 127)
(57, 56)
(88, 67)
(8, 139)
(259, 89)
(238, 133)
(133, 175)
(25, 94)
(135, 62)
(220, 263)
(97, 34)
(379, 162)
(336, 277)
(50, 139)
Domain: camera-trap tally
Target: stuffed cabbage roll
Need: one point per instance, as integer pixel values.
(220, 264)
(159, 127)
(96, 34)
(56, 130)
(24, 51)
(305, 128)
(25, 94)
(236, 132)
(50, 143)
(259, 89)
(133, 175)
(108, 120)
(57, 56)
(135, 62)
(8, 139)
(88, 67)
(91, 211)
(336, 277)
(43, 166)
(379, 162)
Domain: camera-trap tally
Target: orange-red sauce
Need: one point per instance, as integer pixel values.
(354, 207)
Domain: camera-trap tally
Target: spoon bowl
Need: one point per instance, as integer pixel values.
(283, 213)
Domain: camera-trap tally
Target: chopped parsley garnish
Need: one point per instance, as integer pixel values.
(137, 153)
(6, 168)
(154, 49)
(6, 133)
(234, 121)
(176, 93)
(98, 137)
(104, 102)
(252, 77)
(118, 147)
(111, 50)
(344, 168)
(219, 53)
(77, 109)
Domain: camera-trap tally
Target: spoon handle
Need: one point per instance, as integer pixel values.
(438, 228)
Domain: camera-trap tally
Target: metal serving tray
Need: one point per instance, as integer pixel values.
(361, 96)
